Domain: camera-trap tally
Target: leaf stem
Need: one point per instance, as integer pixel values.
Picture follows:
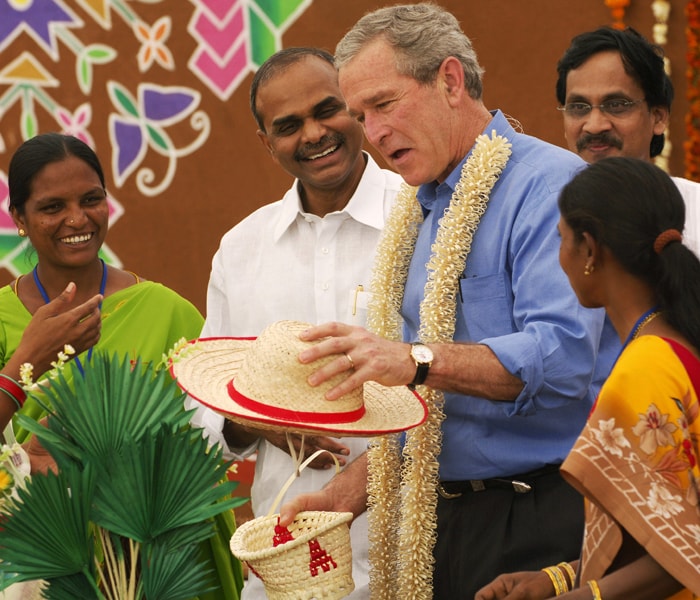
(93, 583)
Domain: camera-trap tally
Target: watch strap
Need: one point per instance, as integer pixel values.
(422, 369)
(421, 374)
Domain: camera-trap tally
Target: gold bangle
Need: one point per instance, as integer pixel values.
(593, 584)
(557, 579)
(570, 572)
(561, 579)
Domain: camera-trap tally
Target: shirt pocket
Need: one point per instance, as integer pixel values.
(485, 306)
(358, 301)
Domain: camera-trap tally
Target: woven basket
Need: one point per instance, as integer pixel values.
(310, 559)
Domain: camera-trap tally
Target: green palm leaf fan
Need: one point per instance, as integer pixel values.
(170, 574)
(155, 485)
(46, 533)
(70, 587)
(174, 481)
(174, 492)
(94, 413)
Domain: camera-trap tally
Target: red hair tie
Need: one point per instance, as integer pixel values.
(665, 238)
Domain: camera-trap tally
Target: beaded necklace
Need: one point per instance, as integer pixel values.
(45, 296)
(642, 322)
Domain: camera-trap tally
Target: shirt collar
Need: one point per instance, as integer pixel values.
(428, 192)
(365, 205)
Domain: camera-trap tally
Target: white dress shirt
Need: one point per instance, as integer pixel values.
(282, 263)
(690, 190)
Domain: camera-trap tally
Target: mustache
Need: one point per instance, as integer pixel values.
(598, 138)
(334, 139)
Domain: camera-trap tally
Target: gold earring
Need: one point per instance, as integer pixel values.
(588, 269)
(21, 232)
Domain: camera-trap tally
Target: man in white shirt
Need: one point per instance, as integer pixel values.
(616, 100)
(307, 257)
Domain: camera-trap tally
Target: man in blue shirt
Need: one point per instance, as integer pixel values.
(506, 354)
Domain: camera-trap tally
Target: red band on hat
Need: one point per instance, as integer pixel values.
(294, 416)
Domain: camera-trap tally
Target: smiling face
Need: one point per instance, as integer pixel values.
(409, 123)
(308, 130)
(598, 135)
(66, 214)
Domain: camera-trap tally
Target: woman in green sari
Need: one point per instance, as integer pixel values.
(59, 202)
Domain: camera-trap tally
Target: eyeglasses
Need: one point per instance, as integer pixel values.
(614, 108)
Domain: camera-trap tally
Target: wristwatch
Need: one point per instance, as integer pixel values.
(423, 357)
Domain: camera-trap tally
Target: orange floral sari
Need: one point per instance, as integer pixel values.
(636, 462)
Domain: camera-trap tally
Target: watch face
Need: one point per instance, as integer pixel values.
(422, 354)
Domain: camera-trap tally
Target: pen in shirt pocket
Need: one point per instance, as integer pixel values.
(360, 288)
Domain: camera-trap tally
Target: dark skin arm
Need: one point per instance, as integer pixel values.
(641, 579)
(346, 492)
(521, 585)
(241, 436)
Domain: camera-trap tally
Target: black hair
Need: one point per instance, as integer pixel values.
(642, 60)
(37, 152)
(624, 204)
(276, 63)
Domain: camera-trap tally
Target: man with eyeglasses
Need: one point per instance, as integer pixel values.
(616, 98)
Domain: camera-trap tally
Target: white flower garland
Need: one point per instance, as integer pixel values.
(661, 10)
(402, 508)
(394, 253)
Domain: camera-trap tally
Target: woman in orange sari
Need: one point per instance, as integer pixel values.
(636, 461)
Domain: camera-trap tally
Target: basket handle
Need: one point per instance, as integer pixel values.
(296, 473)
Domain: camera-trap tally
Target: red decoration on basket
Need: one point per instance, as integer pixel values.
(319, 558)
(282, 535)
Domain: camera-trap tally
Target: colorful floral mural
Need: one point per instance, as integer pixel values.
(150, 127)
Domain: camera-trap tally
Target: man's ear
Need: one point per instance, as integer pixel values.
(262, 136)
(661, 119)
(451, 77)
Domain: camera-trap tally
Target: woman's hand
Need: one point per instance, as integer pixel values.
(524, 585)
(56, 324)
(40, 460)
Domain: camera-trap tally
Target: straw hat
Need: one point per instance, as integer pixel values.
(261, 382)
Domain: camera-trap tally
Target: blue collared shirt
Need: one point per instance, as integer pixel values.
(515, 298)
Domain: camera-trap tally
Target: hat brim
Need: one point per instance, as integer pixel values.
(205, 367)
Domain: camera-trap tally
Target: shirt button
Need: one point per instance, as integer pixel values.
(324, 287)
(325, 250)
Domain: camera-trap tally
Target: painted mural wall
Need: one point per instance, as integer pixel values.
(159, 88)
